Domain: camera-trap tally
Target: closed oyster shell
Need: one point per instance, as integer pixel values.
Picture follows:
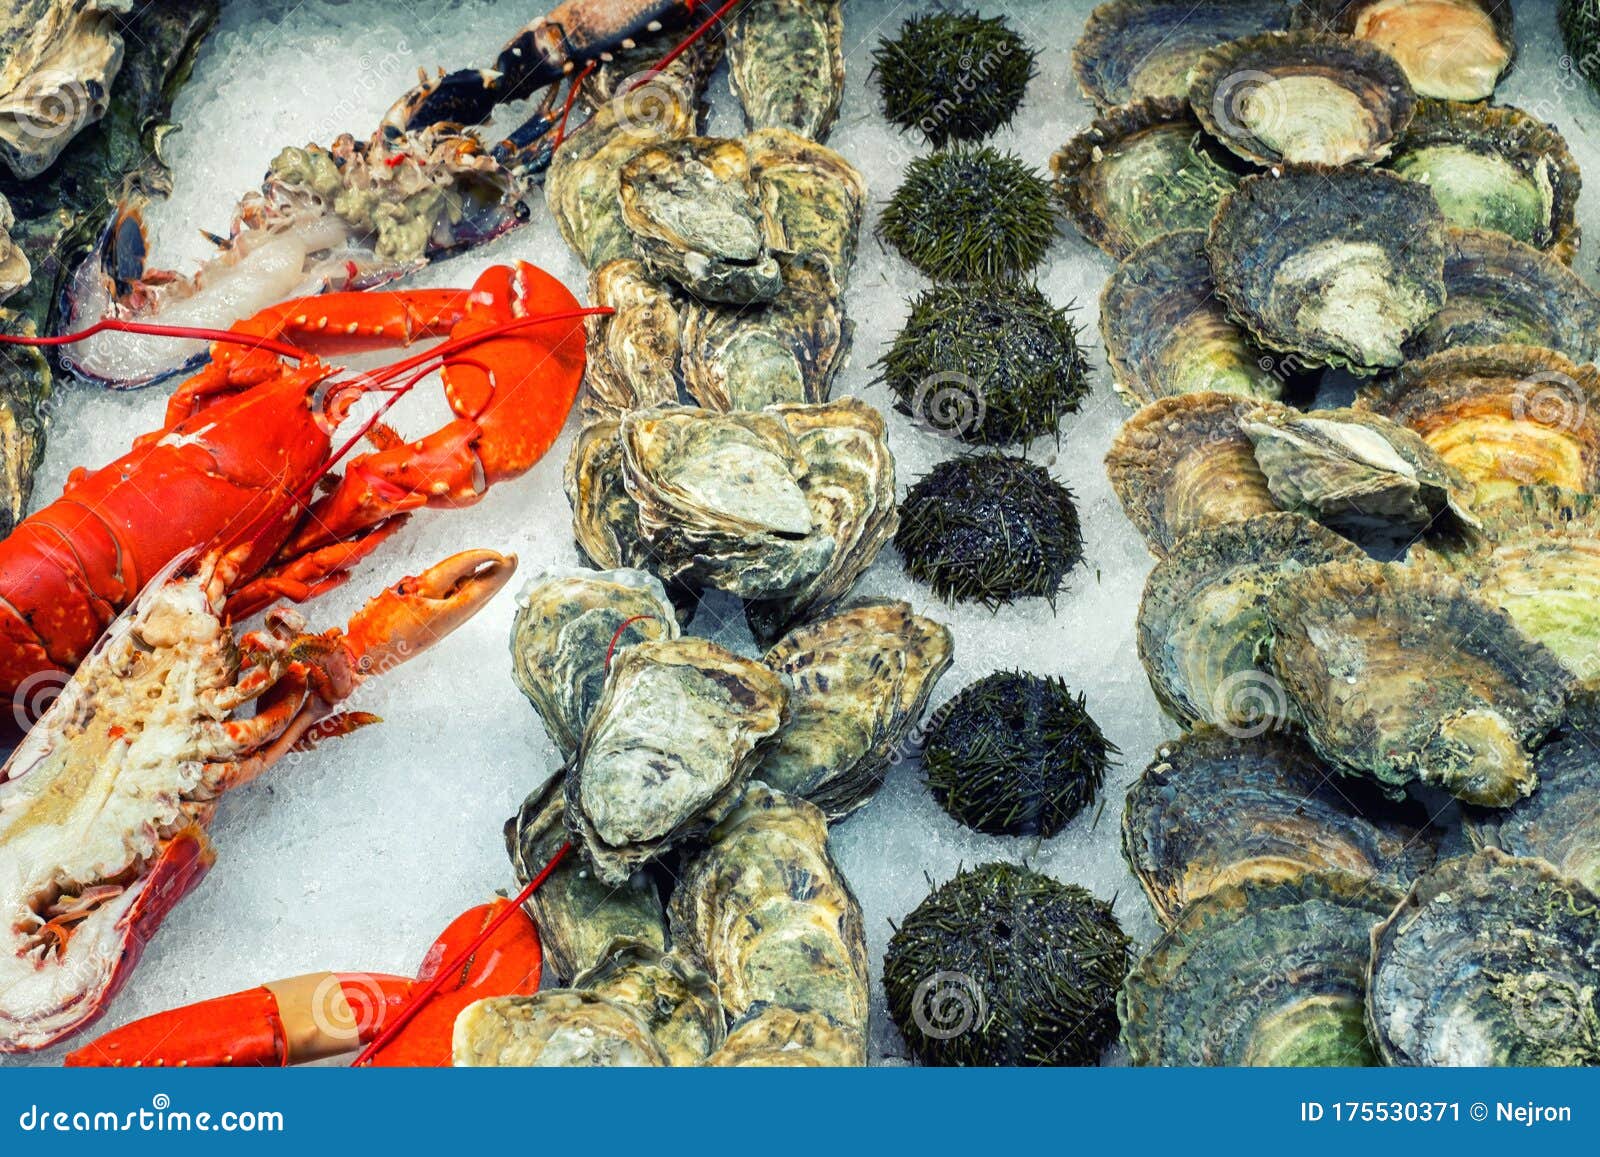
(1258, 973)
(1139, 172)
(1340, 266)
(557, 1028)
(1504, 416)
(1452, 49)
(1495, 168)
(1184, 462)
(58, 59)
(568, 624)
(786, 64)
(772, 1036)
(1217, 809)
(1502, 292)
(605, 518)
(1202, 626)
(1301, 98)
(15, 269)
(633, 352)
(858, 681)
(669, 747)
(811, 199)
(677, 1002)
(1404, 676)
(1489, 960)
(1131, 49)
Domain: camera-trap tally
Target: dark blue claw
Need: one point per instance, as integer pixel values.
(465, 97)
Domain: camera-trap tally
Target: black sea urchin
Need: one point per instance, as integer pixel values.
(1015, 754)
(1004, 966)
(953, 75)
(1580, 32)
(989, 529)
(970, 214)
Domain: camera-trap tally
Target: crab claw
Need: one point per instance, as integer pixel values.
(418, 611)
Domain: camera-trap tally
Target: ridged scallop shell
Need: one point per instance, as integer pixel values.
(1340, 266)
(1219, 808)
(1490, 960)
(1301, 98)
(1269, 973)
(1202, 625)
(1452, 49)
(1404, 676)
(676, 1000)
(786, 63)
(772, 1036)
(1183, 463)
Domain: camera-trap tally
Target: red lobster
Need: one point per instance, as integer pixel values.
(246, 440)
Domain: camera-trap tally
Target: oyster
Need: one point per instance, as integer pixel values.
(1258, 973)
(568, 625)
(1340, 266)
(669, 747)
(1184, 462)
(1401, 675)
(786, 63)
(691, 207)
(15, 270)
(1141, 171)
(1202, 625)
(632, 353)
(605, 518)
(773, 1036)
(1502, 292)
(579, 917)
(767, 911)
(557, 1028)
(1165, 332)
(677, 1001)
(1495, 168)
(1504, 416)
(1217, 809)
(1356, 469)
(1490, 960)
(811, 199)
(1132, 49)
(58, 59)
(1301, 98)
(1453, 49)
(858, 681)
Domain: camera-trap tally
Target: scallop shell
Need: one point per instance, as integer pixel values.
(1202, 625)
(1301, 98)
(557, 1028)
(1131, 49)
(1404, 676)
(1258, 973)
(786, 63)
(811, 199)
(858, 681)
(1490, 960)
(1451, 49)
(1504, 416)
(1218, 809)
(1182, 463)
(632, 353)
(677, 1002)
(1165, 332)
(1139, 172)
(772, 1036)
(1495, 168)
(1340, 266)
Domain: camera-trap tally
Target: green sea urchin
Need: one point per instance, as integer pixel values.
(993, 364)
(1580, 32)
(990, 529)
(1015, 754)
(970, 214)
(1005, 966)
(953, 75)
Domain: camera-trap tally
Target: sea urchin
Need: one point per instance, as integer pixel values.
(953, 75)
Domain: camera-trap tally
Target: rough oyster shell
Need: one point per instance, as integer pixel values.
(811, 199)
(1340, 266)
(15, 269)
(1495, 168)
(1402, 675)
(1140, 171)
(669, 748)
(1490, 960)
(1502, 292)
(1165, 332)
(786, 64)
(557, 1028)
(858, 681)
(1217, 809)
(1258, 973)
(58, 59)
(632, 353)
(1504, 416)
(1202, 626)
(1131, 49)
(1301, 98)
(569, 622)
(1184, 462)
(772, 1036)
(605, 518)
(767, 911)
(1452, 49)
(678, 1002)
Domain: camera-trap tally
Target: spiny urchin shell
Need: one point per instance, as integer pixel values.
(1005, 966)
(990, 529)
(1580, 33)
(988, 364)
(953, 75)
(1015, 754)
(970, 214)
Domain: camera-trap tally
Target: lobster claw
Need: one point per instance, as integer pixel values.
(420, 610)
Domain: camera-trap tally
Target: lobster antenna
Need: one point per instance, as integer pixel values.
(123, 325)
(685, 44)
